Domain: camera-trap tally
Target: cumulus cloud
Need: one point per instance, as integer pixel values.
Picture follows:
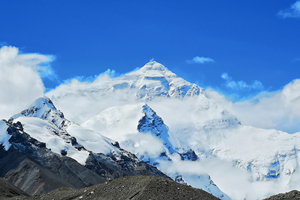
(238, 85)
(292, 12)
(200, 60)
(20, 79)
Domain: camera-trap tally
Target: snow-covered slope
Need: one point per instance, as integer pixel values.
(47, 124)
(53, 137)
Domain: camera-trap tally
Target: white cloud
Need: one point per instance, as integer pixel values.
(292, 12)
(143, 144)
(234, 182)
(276, 110)
(238, 85)
(200, 60)
(20, 79)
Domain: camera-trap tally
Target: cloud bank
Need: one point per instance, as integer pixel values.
(292, 12)
(21, 79)
(270, 110)
(200, 60)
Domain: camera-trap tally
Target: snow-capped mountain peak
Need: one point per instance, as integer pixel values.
(44, 108)
(154, 79)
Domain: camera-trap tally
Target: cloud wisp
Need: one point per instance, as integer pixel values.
(200, 60)
(292, 12)
(240, 85)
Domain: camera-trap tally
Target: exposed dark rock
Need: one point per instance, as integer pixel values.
(116, 144)
(189, 155)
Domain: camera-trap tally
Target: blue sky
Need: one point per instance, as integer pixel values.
(239, 48)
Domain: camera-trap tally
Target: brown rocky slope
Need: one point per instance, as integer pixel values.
(131, 188)
(292, 195)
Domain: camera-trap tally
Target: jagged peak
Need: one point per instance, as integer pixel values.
(44, 108)
(43, 102)
(39, 108)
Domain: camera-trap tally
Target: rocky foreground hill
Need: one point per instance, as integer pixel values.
(133, 187)
(129, 187)
(9, 190)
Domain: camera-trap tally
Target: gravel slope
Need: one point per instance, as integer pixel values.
(9, 190)
(292, 195)
(130, 188)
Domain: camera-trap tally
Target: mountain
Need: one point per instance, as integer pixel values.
(150, 81)
(134, 187)
(41, 151)
(140, 130)
(168, 124)
(154, 80)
